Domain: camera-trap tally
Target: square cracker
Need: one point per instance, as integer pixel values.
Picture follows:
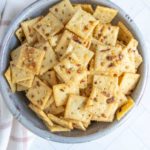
(64, 42)
(41, 114)
(39, 93)
(105, 14)
(106, 84)
(49, 78)
(80, 79)
(82, 24)
(122, 111)
(101, 105)
(75, 108)
(48, 26)
(63, 11)
(28, 30)
(19, 74)
(106, 34)
(108, 60)
(129, 82)
(124, 34)
(20, 34)
(84, 55)
(49, 59)
(8, 76)
(133, 58)
(60, 121)
(109, 35)
(30, 59)
(16, 52)
(62, 91)
(69, 67)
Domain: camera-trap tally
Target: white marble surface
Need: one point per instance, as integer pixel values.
(135, 134)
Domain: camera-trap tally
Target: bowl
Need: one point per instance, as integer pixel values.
(17, 103)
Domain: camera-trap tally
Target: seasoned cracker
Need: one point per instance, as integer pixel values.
(129, 82)
(69, 67)
(63, 11)
(109, 35)
(101, 105)
(62, 91)
(39, 93)
(19, 74)
(109, 60)
(16, 52)
(124, 34)
(106, 84)
(49, 78)
(105, 14)
(64, 42)
(106, 34)
(49, 60)
(30, 59)
(82, 24)
(75, 108)
(48, 26)
(133, 58)
(84, 55)
(30, 33)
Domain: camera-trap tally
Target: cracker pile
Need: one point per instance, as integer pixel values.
(75, 67)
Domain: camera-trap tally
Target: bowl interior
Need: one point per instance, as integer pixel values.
(17, 103)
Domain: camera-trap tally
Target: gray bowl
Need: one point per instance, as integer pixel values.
(17, 103)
